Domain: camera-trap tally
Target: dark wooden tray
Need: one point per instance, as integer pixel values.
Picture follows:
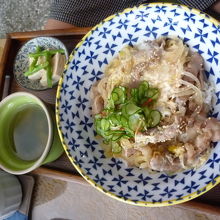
(8, 85)
(62, 168)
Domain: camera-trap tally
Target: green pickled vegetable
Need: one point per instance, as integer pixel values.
(105, 124)
(120, 93)
(155, 117)
(153, 93)
(135, 121)
(116, 148)
(124, 121)
(127, 111)
(110, 104)
(115, 97)
(131, 109)
(146, 112)
(142, 90)
(49, 71)
(116, 137)
(134, 95)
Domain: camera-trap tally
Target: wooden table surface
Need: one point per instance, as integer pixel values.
(2, 44)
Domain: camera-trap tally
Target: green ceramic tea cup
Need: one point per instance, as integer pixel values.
(11, 120)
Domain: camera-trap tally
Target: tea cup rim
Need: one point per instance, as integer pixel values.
(43, 156)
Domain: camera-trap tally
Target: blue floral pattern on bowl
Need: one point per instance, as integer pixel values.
(21, 62)
(86, 65)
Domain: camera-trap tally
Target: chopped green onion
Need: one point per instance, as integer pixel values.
(153, 93)
(36, 69)
(116, 148)
(129, 132)
(124, 121)
(105, 124)
(121, 95)
(110, 104)
(131, 109)
(146, 111)
(34, 62)
(98, 127)
(115, 97)
(142, 90)
(125, 112)
(118, 116)
(155, 117)
(135, 120)
(134, 94)
(116, 137)
(97, 116)
(46, 52)
(113, 120)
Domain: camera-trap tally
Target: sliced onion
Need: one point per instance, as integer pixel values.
(198, 94)
(185, 92)
(181, 157)
(193, 77)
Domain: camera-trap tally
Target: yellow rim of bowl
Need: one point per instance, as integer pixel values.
(91, 181)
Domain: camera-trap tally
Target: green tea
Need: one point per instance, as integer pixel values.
(30, 132)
